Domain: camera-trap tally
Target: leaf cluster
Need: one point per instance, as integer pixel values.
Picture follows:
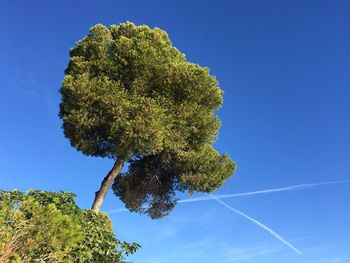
(128, 91)
(150, 184)
(40, 226)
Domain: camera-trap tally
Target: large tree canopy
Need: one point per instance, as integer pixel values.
(129, 95)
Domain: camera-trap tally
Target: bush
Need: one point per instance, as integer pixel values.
(40, 226)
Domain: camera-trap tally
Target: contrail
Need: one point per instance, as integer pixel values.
(273, 233)
(281, 189)
(118, 210)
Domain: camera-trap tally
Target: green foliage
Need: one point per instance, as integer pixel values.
(151, 183)
(41, 226)
(129, 94)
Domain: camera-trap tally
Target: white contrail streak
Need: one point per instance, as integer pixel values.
(273, 233)
(118, 210)
(282, 189)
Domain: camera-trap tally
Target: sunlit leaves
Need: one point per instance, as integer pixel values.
(129, 94)
(128, 91)
(41, 226)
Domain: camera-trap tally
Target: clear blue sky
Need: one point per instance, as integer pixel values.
(285, 70)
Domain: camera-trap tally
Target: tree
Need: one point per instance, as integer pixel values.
(129, 95)
(40, 226)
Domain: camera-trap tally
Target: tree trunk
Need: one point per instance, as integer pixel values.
(106, 184)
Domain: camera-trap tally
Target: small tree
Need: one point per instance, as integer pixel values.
(131, 96)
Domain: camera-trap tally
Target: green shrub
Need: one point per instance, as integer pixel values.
(40, 226)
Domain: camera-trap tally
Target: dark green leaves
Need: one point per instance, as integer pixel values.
(150, 184)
